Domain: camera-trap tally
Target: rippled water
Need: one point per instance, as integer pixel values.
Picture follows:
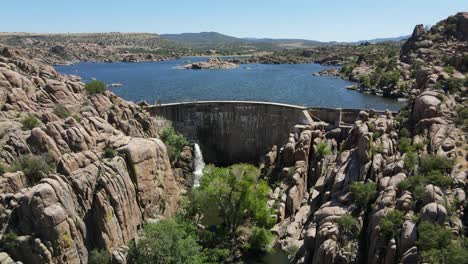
(285, 83)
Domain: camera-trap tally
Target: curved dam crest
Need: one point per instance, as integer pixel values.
(243, 131)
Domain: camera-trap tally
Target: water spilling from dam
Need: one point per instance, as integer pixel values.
(198, 165)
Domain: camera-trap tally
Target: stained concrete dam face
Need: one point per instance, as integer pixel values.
(231, 131)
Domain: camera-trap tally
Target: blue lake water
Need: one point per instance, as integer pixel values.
(285, 83)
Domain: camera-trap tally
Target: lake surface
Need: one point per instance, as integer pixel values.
(285, 83)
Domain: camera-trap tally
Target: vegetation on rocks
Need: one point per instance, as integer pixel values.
(34, 167)
(439, 245)
(95, 87)
(61, 111)
(29, 122)
(390, 225)
(363, 193)
(174, 142)
(99, 257)
(172, 241)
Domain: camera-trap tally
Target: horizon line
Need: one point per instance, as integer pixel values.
(159, 34)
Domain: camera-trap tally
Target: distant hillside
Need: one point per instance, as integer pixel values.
(379, 40)
(215, 40)
(202, 38)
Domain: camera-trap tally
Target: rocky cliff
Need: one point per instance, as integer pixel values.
(108, 173)
(369, 196)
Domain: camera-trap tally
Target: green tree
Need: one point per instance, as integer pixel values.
(95, 87)
(259, 240)
(237, 195)
(174, 142)
(322, 150)
(363, 193)
(365, 80)
(390, 224)
(349, 226)
(437, 244)
(172, 241)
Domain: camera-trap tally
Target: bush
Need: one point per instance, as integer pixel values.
(404, 133)
(390, 225)
(61, 111)
(171, 241)
(405, 145)
(349, 226)
(365, 80)
(437, 244)
(435, 163)
(453, 84)
(95, 87)
(322, 150)
(363, 193)
(259, 240)
(34, 167)
(410, 160)
(109, 153)
(8, 241)
(174, 142)
(389, 78)
(30, 122)
(99, 257)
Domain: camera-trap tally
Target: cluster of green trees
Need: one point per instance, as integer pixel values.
(432, 170)
(226, 215)
(437, 244)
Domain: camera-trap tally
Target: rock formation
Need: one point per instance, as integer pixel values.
(90, 201)
(211, 64)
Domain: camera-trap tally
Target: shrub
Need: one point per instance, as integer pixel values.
(171, 241)
(322, 150)
(174, 142)
(389, 78)
(435, 163)
(95, 87)
(390, 224)
(365, 80)
(109, 153)
(30, 122)
(410, 160)
(34, 167)
(438, 245)
(404, 133)
(453, 84)
(405, 145)
(259, 240)
(61, 111)
(8, 241)
(99, 257)
(363, 193)
(348, 225)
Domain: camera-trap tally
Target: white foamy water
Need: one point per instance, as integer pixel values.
(198, 165)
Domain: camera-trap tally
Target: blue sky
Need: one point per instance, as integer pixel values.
(340, 20)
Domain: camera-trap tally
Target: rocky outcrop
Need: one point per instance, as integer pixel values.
(211, 64)
(90, 200)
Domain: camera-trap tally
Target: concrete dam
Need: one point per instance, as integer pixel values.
(242, 131)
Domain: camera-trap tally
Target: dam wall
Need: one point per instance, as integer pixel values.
(242, 131)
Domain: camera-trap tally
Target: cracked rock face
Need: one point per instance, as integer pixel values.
(91, 201)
